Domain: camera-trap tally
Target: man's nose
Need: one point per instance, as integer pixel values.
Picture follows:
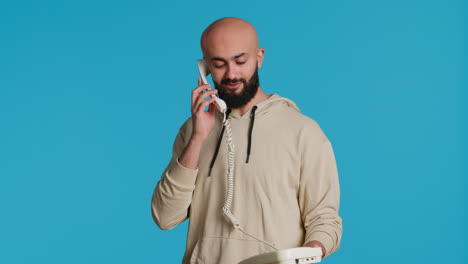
(232, 73)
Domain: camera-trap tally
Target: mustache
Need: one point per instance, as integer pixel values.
(232, 81)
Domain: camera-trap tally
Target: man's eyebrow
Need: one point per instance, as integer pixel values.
(235, 57)
(240, 55)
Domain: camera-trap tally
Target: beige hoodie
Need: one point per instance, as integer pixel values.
(286, 195)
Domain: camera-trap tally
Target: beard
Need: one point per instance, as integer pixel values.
(238, 100)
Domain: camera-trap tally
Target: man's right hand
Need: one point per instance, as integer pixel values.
(203, 121)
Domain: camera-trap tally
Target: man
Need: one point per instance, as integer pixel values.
(286, 191)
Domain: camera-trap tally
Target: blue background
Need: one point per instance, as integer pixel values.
(93, 93)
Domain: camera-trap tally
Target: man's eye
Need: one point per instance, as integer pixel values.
(240, 62)
(219, 66)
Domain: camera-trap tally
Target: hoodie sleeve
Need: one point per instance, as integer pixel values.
(173, 193)
(319, 191)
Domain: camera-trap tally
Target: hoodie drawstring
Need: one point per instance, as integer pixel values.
(252, 121)
(220, 138)
(228, 111)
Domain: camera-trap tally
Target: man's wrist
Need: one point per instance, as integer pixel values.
(191, 154)
(196, 141)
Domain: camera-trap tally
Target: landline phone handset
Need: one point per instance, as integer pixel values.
(204, 71)
(302, 255)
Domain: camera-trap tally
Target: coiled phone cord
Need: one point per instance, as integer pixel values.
(230, 183)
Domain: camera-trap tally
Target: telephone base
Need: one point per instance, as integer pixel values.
(299, 255)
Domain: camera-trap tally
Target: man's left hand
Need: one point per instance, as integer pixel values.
(315, 243)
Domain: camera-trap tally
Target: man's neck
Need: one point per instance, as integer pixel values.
(258, 97)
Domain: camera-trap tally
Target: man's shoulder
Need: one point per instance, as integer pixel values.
(287, 111)
(298, 119)
(304, 126)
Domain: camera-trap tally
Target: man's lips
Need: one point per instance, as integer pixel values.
(232, 86)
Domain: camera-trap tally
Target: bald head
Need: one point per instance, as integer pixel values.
(229, 33)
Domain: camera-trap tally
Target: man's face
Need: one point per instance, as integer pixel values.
(235, 77)
(233, 59)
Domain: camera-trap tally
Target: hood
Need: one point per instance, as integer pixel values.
(275, 102)
(268, 106)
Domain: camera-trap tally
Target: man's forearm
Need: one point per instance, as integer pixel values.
(191, 154)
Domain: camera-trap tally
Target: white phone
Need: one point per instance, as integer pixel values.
(204, 71)
(302, 255)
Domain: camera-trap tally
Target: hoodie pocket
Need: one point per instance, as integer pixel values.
(215, 250)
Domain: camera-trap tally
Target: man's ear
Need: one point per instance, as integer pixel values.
(260, 56)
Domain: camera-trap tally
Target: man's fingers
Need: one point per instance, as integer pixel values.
(203, 97)
(200, 100)
(211, 107)
(202, 106)
(199, 90)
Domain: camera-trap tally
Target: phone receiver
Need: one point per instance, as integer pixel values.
(204, 71)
